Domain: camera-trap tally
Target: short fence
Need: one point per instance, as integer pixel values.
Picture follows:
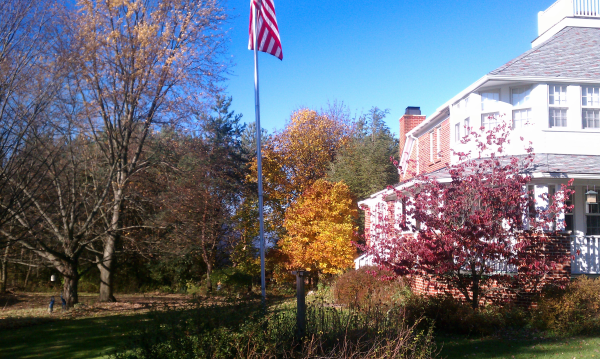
(584, 255)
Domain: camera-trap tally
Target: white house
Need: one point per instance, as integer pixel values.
(551, 96)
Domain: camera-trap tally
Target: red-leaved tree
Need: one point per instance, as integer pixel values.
(472, 226)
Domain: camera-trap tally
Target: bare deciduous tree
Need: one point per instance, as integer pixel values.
(26, 89)
(139, 64)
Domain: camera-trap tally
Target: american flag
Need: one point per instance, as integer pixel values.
(268, 33)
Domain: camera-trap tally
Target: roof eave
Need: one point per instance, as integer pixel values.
(440, 111)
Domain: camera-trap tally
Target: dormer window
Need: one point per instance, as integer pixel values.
(489, 101)
(590, 103)
(557, 102)
(520, 99)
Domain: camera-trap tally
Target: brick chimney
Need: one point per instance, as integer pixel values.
(411, 119)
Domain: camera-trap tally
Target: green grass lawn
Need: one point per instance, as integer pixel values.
(496, 348)
(69, 338)
(97, 337)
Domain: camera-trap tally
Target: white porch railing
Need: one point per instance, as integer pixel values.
(584, 255)
(586, 8)
(566, 8)
(501, 267)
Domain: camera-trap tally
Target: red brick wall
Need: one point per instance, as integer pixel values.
(424, 149)
(407, 123)
(424, 158)
(559, 249)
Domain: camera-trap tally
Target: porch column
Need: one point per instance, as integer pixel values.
(579, 211)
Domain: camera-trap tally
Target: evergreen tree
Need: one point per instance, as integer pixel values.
(365, 163)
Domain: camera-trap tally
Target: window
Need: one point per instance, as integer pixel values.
(520, 96)
(457, 133)
(489, 100)
(592, 217)
(558, 117)
(467, 126)
(521, 118)
(569, 214)
(557, 95)
(400, 214)
(490, 120)
(438, 142)
(431, 146)
(531, 207)
(557, 100)
(590, 103)
(378, 219)
(521, 106)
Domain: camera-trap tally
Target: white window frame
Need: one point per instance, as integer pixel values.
(467, 125)
(521, 106)
(490, 120)
(591, 210)
(438, 142)
(570, 201)
(590, 104)
(557, 103)
(431, 146)
(490, 100)
(457, 132)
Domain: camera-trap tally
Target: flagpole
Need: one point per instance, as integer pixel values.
(259, 159)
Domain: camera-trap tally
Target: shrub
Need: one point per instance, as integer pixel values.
(240, 330)
(573, 310)
(454, 316)
(232, 280)
(368, 286)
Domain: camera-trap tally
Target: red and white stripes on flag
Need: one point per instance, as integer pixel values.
(268, 33)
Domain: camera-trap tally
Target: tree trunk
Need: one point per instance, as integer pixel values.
(208, 280)
(475, 289)
(107, 264)
(71, 281)
(27, 278)
(4, 273)
(106, 271)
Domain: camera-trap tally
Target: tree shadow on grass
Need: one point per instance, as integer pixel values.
(7, 300)
(73, 338)
(43, 337)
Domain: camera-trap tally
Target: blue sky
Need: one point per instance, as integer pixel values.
(390, 54)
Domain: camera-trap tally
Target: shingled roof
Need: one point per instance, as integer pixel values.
(574, 52)
(550, 163)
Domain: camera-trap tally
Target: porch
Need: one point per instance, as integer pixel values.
(585, 258)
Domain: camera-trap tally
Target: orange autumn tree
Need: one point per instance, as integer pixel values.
(320, 229)
(297, 156)
(306, 147)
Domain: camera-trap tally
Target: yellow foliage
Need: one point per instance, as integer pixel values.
(320, 229)
(296, 157)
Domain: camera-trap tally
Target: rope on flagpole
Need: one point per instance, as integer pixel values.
(259, 157)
